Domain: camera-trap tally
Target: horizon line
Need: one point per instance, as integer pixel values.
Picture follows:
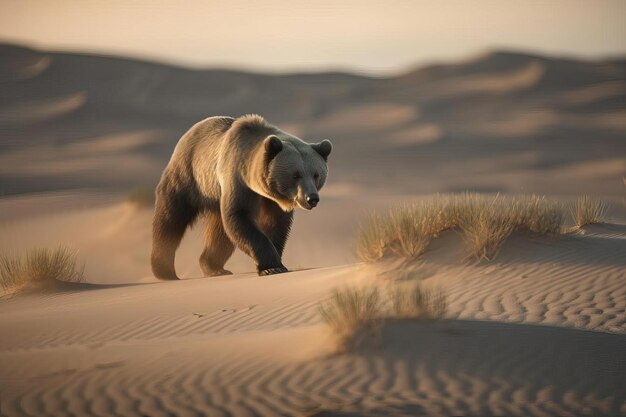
(329, 69)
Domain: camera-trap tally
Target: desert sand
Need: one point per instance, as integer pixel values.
(539, 331)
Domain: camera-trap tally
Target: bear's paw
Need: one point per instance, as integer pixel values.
(272, 271)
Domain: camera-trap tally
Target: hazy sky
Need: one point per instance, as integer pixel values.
(281, 35)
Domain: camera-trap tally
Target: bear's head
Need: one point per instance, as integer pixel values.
(295, 171)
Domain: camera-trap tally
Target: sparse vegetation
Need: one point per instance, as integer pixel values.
(413, 301)
(405, 230)
(352, 315)
(485, 222)
(141, 197)
(39, 265)
(357, 315)
(587, 210)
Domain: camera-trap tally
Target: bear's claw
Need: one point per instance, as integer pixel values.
(272, 271)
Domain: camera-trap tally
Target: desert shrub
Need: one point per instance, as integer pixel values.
(485, 221)
(485, 225)
(357, 315)
(538, 215)
(141, 197)
(587, 210)
(405, 230)
(372, 238)
(352, 315)
(413, 301)
(39, 265)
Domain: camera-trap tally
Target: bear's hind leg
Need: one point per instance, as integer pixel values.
(171, 218)
(217, 247)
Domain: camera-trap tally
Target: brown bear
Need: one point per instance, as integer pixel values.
(245, 177)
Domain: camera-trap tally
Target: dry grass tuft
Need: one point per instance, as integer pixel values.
(39, 265)
(539, 215)
(587, 210)
(486, 221)
(352, 315)
(415, 302)
(405, 230)
(485, 226)
(357, 315)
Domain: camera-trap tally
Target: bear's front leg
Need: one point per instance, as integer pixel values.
(246, 235)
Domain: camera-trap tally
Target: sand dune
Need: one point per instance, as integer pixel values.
(574, 281)
(456, 368)
(540, 331)
(41, 111)
(424, 131)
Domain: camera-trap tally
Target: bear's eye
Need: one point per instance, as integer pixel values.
(297, 175)
(316, 175)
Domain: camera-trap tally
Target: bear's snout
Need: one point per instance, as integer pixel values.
(307, 201)
(312, 200)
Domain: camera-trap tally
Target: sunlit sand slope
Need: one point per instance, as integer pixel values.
(541, 331)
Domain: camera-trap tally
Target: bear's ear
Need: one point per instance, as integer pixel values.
(272, 145)
(323, 148)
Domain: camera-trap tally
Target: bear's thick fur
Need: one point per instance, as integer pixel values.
(245, 177)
